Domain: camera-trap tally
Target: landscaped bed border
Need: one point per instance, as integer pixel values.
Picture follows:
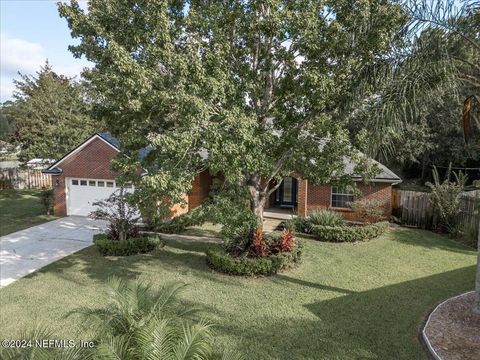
(431, 352)
(219, 260)
(138, 245)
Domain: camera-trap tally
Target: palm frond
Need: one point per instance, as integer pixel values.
(167, 299)
(231, 355)
(73, 353)
(114, 348)
(196, 342)
(157, 340)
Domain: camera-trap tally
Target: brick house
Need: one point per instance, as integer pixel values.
(83, 176)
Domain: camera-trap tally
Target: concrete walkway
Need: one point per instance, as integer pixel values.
(25, 251)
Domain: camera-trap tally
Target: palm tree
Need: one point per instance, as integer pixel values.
(453, 20)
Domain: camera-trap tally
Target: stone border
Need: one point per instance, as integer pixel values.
(428, 345)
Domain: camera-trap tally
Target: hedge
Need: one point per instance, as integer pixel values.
(220, 260)
(109, 247)
(349, 233)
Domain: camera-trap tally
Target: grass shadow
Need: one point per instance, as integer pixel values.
(184, 257)
(311, 284)
(381, 323)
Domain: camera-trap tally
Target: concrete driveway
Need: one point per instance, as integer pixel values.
(28, 250)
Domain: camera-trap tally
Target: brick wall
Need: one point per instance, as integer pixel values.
(179, 209)
(91, 162)
(319, 197)
(200, 189)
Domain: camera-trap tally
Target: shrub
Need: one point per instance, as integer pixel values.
(46, 198)
(349, 233)
(121, 216)
(131, 246)
(446, 198)
(369, 210)
(325, 218)
(298, 224)
(179, 223)
(286, 242)
(258, 248)
(219, 259)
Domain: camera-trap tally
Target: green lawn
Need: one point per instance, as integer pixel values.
(346, 301)
(20, 209)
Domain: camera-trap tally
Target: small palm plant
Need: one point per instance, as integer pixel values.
(138, 324)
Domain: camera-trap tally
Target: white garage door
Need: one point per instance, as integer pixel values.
(82, 193)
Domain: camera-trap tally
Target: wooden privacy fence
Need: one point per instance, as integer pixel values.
(17, 178)
(414, 208)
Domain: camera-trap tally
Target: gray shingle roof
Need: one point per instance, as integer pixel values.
(385, 174)
(109, 138)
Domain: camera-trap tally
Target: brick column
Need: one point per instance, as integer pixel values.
(302, 197)
(59, 195)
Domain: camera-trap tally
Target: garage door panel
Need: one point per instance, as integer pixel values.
(83, 193)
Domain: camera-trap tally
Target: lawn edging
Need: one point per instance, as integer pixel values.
(424, 337)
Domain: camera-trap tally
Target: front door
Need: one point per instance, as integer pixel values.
(286, 194)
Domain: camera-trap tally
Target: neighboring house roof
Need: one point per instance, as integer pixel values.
(384, 175)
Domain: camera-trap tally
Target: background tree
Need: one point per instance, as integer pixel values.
(253, 90)
(461, 26)
(52, 115)
(7, 120)
(452, 28)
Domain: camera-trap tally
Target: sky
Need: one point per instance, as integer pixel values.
(31, 31)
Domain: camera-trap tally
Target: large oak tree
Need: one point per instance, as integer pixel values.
(254, 90)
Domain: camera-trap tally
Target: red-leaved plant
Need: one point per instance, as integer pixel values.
(286, 242)
(258, 247)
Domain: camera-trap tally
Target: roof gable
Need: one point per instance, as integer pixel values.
(55, 167)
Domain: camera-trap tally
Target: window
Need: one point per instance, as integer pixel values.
(74, 182)
(128, 185)
(101, 183)
(91, 183)
(110, 184)
(341, 197)
(83, 182)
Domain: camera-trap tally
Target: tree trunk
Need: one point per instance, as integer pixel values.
(258, 199)
(424, 169)
(476, 304)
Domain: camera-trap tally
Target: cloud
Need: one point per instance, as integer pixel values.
(20, 55)
(6, 89)
(72, 69)
(83, 4)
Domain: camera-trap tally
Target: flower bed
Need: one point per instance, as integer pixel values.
(220, 260)
(349, 233)
(132, 246)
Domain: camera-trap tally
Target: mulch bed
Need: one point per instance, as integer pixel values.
(453, 331)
